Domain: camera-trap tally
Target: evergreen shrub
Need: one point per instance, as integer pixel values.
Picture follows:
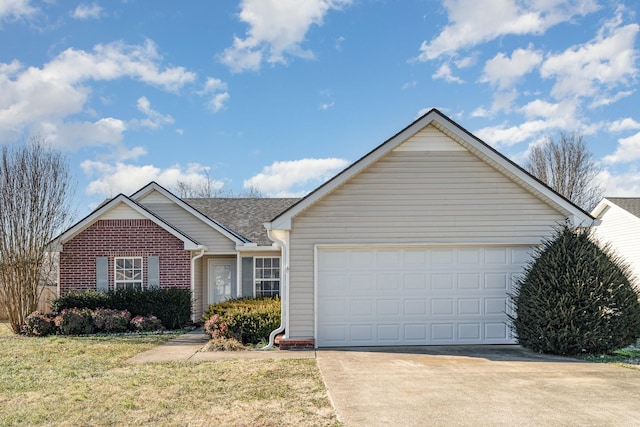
(248, 320)
(575, 298)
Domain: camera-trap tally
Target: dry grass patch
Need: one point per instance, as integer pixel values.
(84, 381)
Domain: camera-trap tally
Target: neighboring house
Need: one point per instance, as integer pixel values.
(619, 226)
(416, 243)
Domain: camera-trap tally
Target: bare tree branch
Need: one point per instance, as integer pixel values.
(34, 207)
(568, 167)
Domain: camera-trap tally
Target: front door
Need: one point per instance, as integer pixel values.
(222, 280)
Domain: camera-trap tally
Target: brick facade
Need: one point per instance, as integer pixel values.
(123, 237)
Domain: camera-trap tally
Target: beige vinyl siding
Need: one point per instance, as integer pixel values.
(413, 197)
(123, 211)
(192, 227)
(622, 230)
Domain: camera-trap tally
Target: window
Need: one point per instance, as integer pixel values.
(267, 277)
(128, 273)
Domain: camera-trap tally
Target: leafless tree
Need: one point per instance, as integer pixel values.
(35, 193)
(567, 166)
(207, 189)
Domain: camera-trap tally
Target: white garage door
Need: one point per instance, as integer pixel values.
(415, 296)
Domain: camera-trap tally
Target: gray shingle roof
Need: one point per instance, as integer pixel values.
(629, 204)
(243, 215)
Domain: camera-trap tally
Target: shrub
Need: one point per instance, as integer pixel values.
(74, 321)
(575, 298)
(146, 324)
(224, 344)
(215, 327)
(110, 321)
(249, 321)
(38, 324)
(86, 299)
(171, 305)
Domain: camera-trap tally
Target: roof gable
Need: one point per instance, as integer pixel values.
(154, 189)
(419, 135)
(629, 205)
(104, 211)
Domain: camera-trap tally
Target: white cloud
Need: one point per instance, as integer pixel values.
(126, 178)
(53, 94)
(604, 63)
(625, 124)
(628, 150)
(154, 120)
(606, 99)
(541, 118)
(444, 72)
(277, 28)
(472, 23)
(620, 185)
(219, 95)
(72, 135)
(15, 9)
(503, 72)
(293, 178)
(87, 11)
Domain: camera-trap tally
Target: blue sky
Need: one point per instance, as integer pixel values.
(279, 95)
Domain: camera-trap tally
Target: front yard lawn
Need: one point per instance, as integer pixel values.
(85, 381)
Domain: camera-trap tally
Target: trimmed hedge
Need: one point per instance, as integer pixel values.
(171, 305)
(248, 320)
(75, 321)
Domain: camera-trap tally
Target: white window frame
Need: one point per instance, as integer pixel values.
(122, 283)
(257, 280)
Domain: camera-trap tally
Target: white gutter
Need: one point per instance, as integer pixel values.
(193, 283)
(284, 290)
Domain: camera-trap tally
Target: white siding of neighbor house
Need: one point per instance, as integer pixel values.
(188, 223)
(417, 194)
(621, 230)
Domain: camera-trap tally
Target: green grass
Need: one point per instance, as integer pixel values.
(628, 356)
(85, 381)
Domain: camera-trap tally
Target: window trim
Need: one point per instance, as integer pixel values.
(117, 282)
(256, 279)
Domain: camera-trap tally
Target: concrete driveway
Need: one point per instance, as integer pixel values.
(476, 386)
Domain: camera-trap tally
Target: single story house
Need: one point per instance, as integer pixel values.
(416, 243)
(619, 226)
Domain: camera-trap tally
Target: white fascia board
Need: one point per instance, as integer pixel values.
(169, 195)
(600, 207)
(256, 248)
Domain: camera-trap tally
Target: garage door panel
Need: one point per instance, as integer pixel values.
(415, 282)
(467, 281)
(469, 307)
(415, 307)
(389, 282)
(442, 282)
(415, 296)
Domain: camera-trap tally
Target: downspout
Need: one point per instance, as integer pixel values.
(193, 284)
(284, 290)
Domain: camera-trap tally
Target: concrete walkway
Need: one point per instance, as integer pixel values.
(187, 347)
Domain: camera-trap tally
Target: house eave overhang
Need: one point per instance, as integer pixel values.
(575, 215)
